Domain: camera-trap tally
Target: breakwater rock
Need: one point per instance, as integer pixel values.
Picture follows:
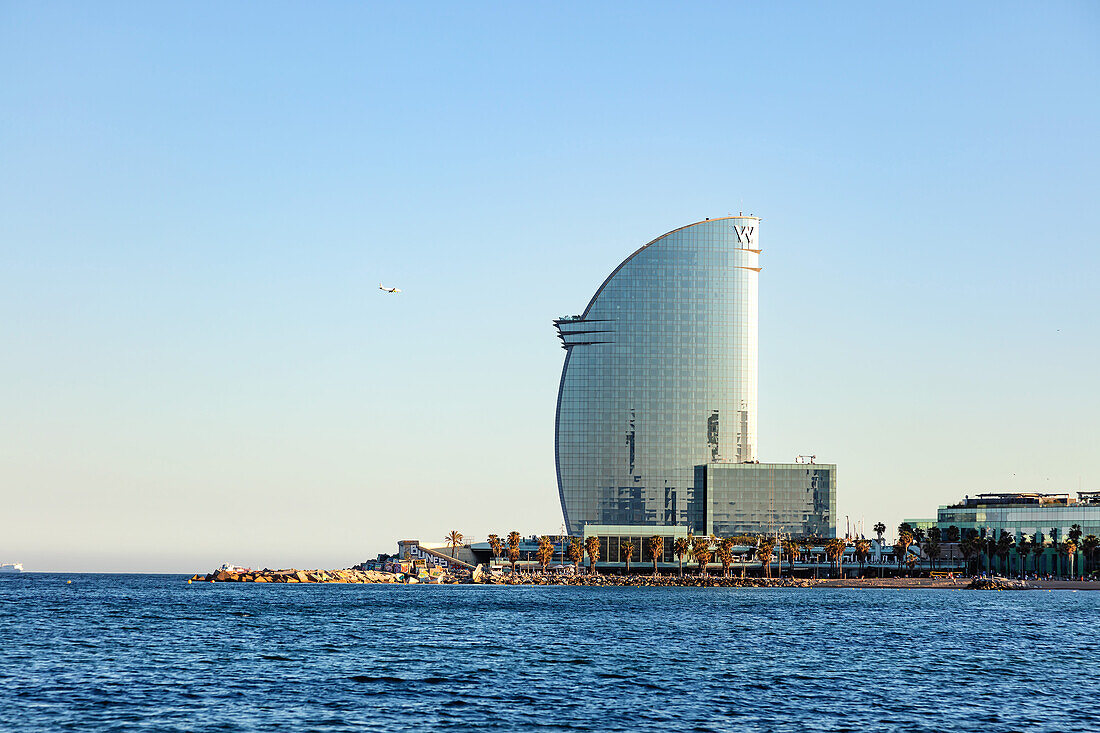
(298, 576)
(997, 584)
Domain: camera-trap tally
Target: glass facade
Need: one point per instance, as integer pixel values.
(1050, 523)
(747, 498)
(660, 376)
(612, 540)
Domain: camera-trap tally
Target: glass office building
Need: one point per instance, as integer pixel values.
(798, 499)
(1046, 517)
(660, 376)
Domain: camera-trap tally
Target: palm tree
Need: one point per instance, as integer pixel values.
(935, 536)
(827, 549)
(1075, 533)
(592, 547)
(806, 551)
(575, 553)
(880, 529)
(1054, 546)
(1005, 544)
(1090, 544)
(656, 549)
(932, 550)
(454, 539)
(513, 557)
(700, 550)
(1069, 549)
(764, 555)
(1023, 549)
(545, 552)
(990, 552)
(834, 550)
(806, 547)
(514, 538)
(725, 554)
(1038, 546)
(968, 549)
(680, 548)
(792, 551)
(901, 548)
(863, 551)
(496, 546)
(953, 534)
(626, 549)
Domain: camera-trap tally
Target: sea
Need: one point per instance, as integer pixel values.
(152, 652)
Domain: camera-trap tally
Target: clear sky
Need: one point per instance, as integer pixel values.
(198, 201)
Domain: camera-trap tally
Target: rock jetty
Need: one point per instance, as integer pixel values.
(997, 584)
(479, 576)
(298, 576)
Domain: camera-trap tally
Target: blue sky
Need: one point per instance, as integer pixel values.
(197, 203)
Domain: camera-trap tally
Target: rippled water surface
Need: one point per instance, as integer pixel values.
(124, 652)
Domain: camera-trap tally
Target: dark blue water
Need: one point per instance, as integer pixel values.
(132, 652)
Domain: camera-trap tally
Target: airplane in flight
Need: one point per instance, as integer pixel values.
(389, 290)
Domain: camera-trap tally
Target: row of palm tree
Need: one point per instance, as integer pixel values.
(697, 548)
(701, 549)
(974, 547)
(977, 551)
(509, 547)
(544, 555)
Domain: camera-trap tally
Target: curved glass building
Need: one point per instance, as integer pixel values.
(660, 376)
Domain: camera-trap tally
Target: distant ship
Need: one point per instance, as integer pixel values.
(11, 567)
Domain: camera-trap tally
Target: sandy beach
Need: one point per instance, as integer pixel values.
(944, 584)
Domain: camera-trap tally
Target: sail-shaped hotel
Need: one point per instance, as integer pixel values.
(657, 405)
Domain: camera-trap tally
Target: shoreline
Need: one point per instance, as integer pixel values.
(346, 576)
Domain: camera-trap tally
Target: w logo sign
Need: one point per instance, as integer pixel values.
(745, 234)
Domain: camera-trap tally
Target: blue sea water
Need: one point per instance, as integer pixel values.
(132, 652)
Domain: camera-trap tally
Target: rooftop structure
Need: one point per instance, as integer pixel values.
(1015, 499)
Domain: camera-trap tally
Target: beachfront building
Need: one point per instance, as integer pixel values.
(1045, 519)
(657, 404)
(790, 556)
(614, 541)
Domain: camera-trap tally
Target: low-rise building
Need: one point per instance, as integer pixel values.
(763, 498)
(1047, 520)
